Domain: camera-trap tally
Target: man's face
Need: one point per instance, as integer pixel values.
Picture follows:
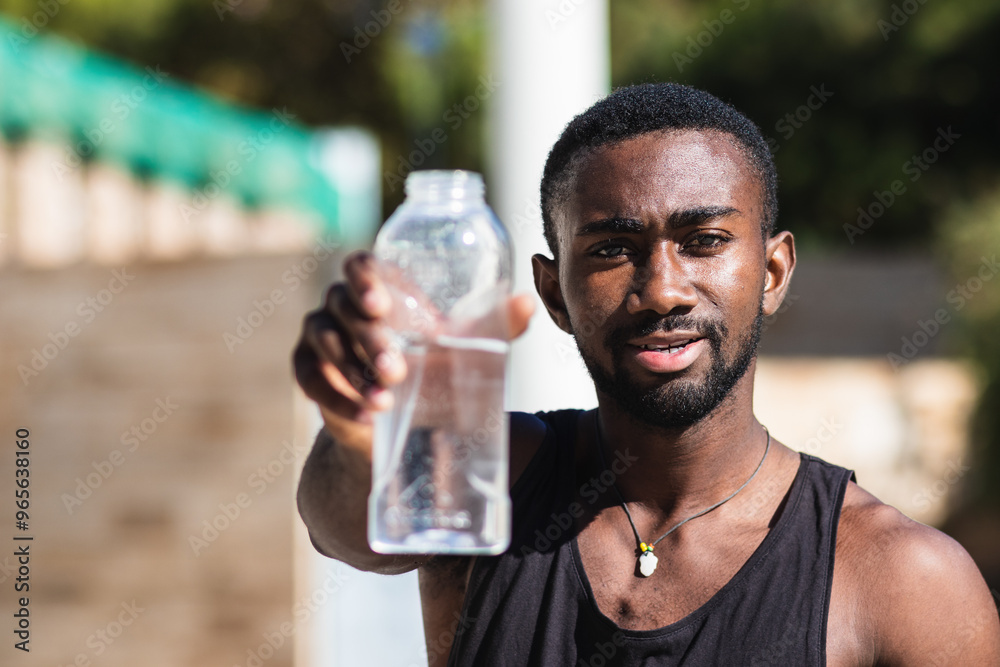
(661, 272)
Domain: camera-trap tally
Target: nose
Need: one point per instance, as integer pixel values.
(661, 284)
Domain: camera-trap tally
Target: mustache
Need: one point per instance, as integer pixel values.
(712, 330)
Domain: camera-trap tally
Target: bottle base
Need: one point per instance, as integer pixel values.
(437, 541)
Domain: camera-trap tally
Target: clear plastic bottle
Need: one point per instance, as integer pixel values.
(440, 467)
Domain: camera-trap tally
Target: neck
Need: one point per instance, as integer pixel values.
(681, 471)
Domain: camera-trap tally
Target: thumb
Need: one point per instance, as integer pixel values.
(520, 308)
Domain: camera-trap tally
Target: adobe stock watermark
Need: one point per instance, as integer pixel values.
(440, 646)
(758, 501)
(827, 431)
(302, 611)
(32, 24)
(230, 512)
(454, 117)
(119, 111)
(529, 216)
(59, 340)
(248, 150)
(898, 17)
(591, 491)
(802, 114)
(957, 299)
(223, 7)
(967, 633)
(915, 167)
(474, 440)
(786, 303)
(131, 440)
(294, 277)
(7, 569)
(603, 652)
(363, 36)
(562, 13)
(932, 493)
(777, 652)
(713, 29)
(588, 324)
(102, 638)
(399, 514)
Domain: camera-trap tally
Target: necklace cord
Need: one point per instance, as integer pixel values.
(604, 466)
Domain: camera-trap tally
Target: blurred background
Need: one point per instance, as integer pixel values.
(179, 180)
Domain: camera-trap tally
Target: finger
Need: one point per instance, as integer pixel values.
(335, 377)
(316, 384)
(347, 373)
(336, 362)
(365, 288)
(520, 308)
(339, 412)
(369, 340)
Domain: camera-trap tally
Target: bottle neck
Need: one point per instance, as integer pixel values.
(444, 186)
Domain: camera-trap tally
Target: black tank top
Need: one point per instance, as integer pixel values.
(533, 604)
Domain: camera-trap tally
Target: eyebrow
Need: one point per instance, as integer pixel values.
(677, 220)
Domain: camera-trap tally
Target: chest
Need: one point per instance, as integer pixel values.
(693, 565)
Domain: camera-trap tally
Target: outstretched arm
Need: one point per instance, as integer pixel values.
(344, 361)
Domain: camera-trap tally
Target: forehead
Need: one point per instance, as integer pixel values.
(658, 173)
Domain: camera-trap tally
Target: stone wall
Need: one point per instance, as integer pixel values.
(150, 429)
(905, 433)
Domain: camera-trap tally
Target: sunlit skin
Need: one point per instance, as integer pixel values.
(668, 224)
(660, 228)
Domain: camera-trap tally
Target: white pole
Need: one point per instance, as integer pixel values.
(551, 60)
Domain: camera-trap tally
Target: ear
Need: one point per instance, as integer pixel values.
(546, 272)
(780, 263)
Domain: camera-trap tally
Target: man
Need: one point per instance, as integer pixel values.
(667, 526)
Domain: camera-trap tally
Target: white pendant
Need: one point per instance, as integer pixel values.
(647, 563)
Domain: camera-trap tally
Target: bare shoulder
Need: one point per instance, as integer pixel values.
(918, 597)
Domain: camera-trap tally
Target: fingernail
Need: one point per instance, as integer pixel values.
(371, 300)
(380, 398)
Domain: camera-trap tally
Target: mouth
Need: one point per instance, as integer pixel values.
(669, 353)
(673, 347)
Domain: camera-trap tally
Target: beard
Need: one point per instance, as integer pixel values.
(679, 402)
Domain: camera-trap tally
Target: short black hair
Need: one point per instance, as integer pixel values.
(651, 107)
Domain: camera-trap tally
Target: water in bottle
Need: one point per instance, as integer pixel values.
(440, 466)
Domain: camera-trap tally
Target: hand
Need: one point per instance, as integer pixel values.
(345, 359)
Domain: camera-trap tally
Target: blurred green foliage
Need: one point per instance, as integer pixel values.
(893, 74)
(970, 240)
(396, 71)
(891, 80)
(892, 88)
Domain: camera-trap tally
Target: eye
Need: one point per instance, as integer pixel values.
(706, 241)
(611, 249)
